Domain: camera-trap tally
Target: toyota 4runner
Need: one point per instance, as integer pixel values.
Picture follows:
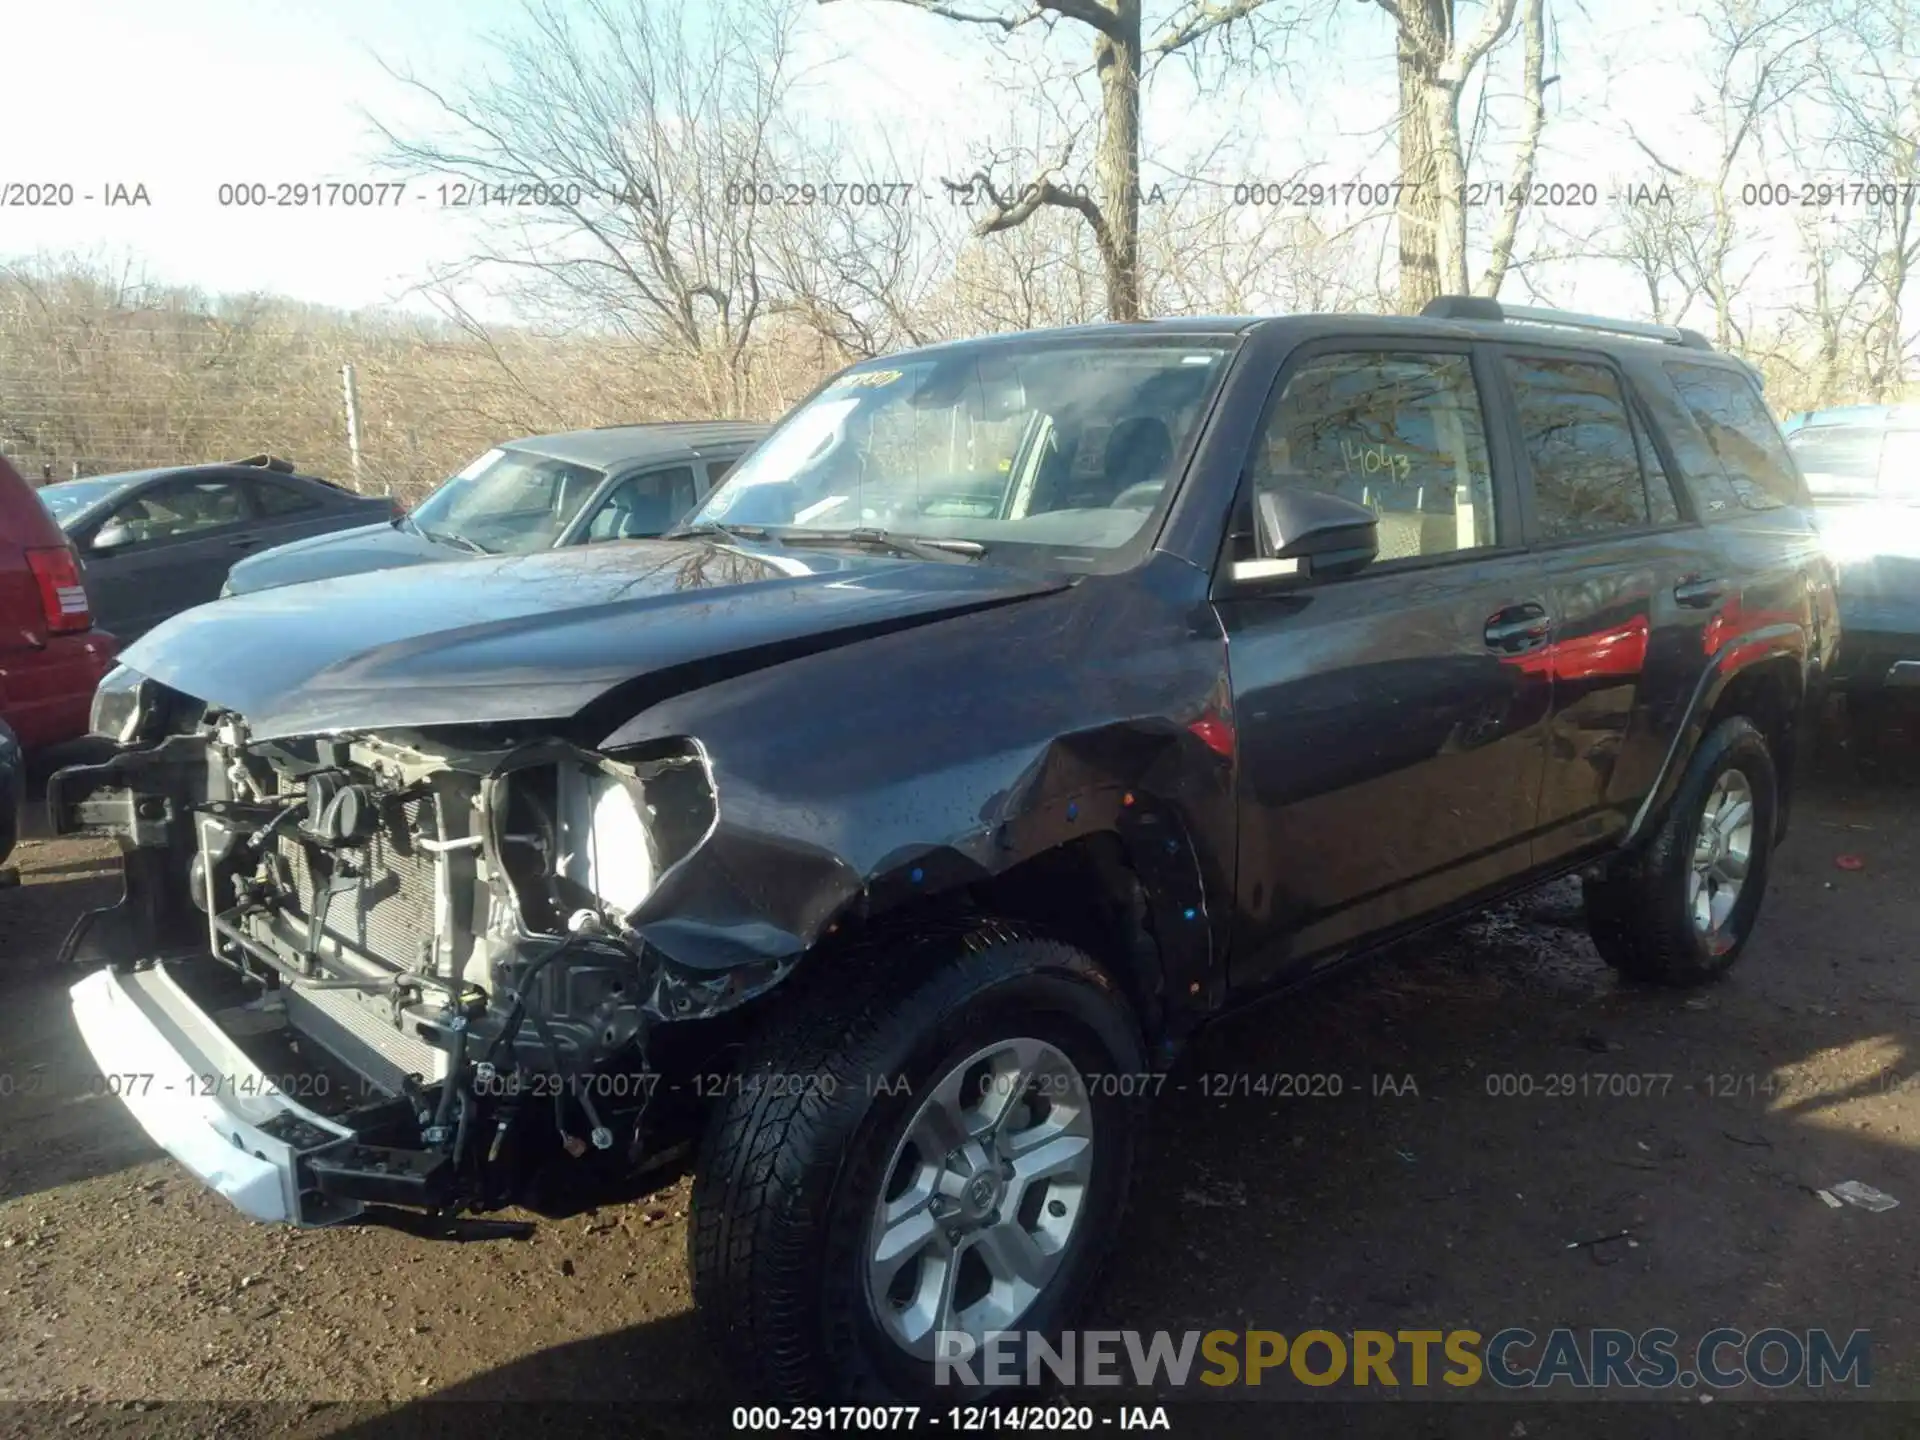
(1016, 707)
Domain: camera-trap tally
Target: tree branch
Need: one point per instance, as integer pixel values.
(1534, 87)
(1493, 25)
(1203, 20)
(1087, 12)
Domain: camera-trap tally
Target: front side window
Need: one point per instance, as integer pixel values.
(1728, 409)
(643, 505)
(1399, 432)
(1066, 446)
(508, 501)
(180, 508)
(1578, 438)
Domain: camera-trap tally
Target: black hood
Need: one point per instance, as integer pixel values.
(542, 636)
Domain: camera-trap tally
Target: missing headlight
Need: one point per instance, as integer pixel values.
(602, 839)
(580, 829)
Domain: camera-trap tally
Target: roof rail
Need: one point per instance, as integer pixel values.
(1479, 307)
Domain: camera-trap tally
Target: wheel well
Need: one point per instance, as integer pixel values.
(1768, 694)
(1087, 894)
(1084, 893)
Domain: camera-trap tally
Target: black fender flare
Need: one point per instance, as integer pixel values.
(1768, 645)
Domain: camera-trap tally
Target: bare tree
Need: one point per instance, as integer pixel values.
(864, 269)
(1761, 55)
(1870, 82)
(1661, 242)
(1435, 64)
(625, 144)
(1125, 49)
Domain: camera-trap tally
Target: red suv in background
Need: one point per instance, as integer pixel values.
(51, 657)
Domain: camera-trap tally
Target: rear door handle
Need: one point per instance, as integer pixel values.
(1519, 627)
(1698, 592)
(241, 542)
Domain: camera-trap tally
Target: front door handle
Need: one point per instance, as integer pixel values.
(241, 542)
(1519, 627)
(1699, 591)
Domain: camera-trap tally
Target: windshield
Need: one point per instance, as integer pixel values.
(1900, 466)
(68, 498)
(1063, 445)
(1838, 461)
(507, 501)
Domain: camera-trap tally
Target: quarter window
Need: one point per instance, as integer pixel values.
(1728, 409)
(1399, 432)
(1579, 442)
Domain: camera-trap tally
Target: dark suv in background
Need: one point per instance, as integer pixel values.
(1018, 706)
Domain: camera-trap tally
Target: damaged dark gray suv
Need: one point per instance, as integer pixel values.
(1018, 706)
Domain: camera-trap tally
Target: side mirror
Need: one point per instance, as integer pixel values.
(1309, 534)
(114, 535)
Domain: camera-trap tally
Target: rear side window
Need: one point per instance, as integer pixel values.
(1580, 445)
(276, 500)
(1662, 494)
(1727, 407)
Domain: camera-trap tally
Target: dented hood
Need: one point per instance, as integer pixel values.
(544, 636)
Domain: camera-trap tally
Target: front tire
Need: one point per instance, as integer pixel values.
(939, 1141)
(1680, 911)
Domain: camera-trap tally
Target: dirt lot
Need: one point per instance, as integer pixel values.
(121, 1281)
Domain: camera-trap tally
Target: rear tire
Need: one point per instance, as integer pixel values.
(1680, 911)
(815, 1161)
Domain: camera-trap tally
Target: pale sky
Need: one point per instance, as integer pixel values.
(183, 95)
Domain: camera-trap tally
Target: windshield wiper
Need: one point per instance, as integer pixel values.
(447, 537)
(922, 547)
(709, 527)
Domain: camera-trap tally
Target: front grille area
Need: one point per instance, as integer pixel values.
(390, 913)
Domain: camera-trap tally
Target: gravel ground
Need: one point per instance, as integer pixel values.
(127, 1293)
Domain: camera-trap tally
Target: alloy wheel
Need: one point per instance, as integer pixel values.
(982, 1196)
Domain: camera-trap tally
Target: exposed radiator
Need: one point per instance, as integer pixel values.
(390, 915)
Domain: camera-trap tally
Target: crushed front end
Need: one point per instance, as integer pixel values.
(384, 969)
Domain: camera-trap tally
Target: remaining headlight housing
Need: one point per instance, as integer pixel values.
(604, 845)
(579, 828)
(122, 705)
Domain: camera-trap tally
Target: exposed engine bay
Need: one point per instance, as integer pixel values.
(451, 923)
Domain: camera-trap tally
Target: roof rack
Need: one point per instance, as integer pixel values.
(1479, 307)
